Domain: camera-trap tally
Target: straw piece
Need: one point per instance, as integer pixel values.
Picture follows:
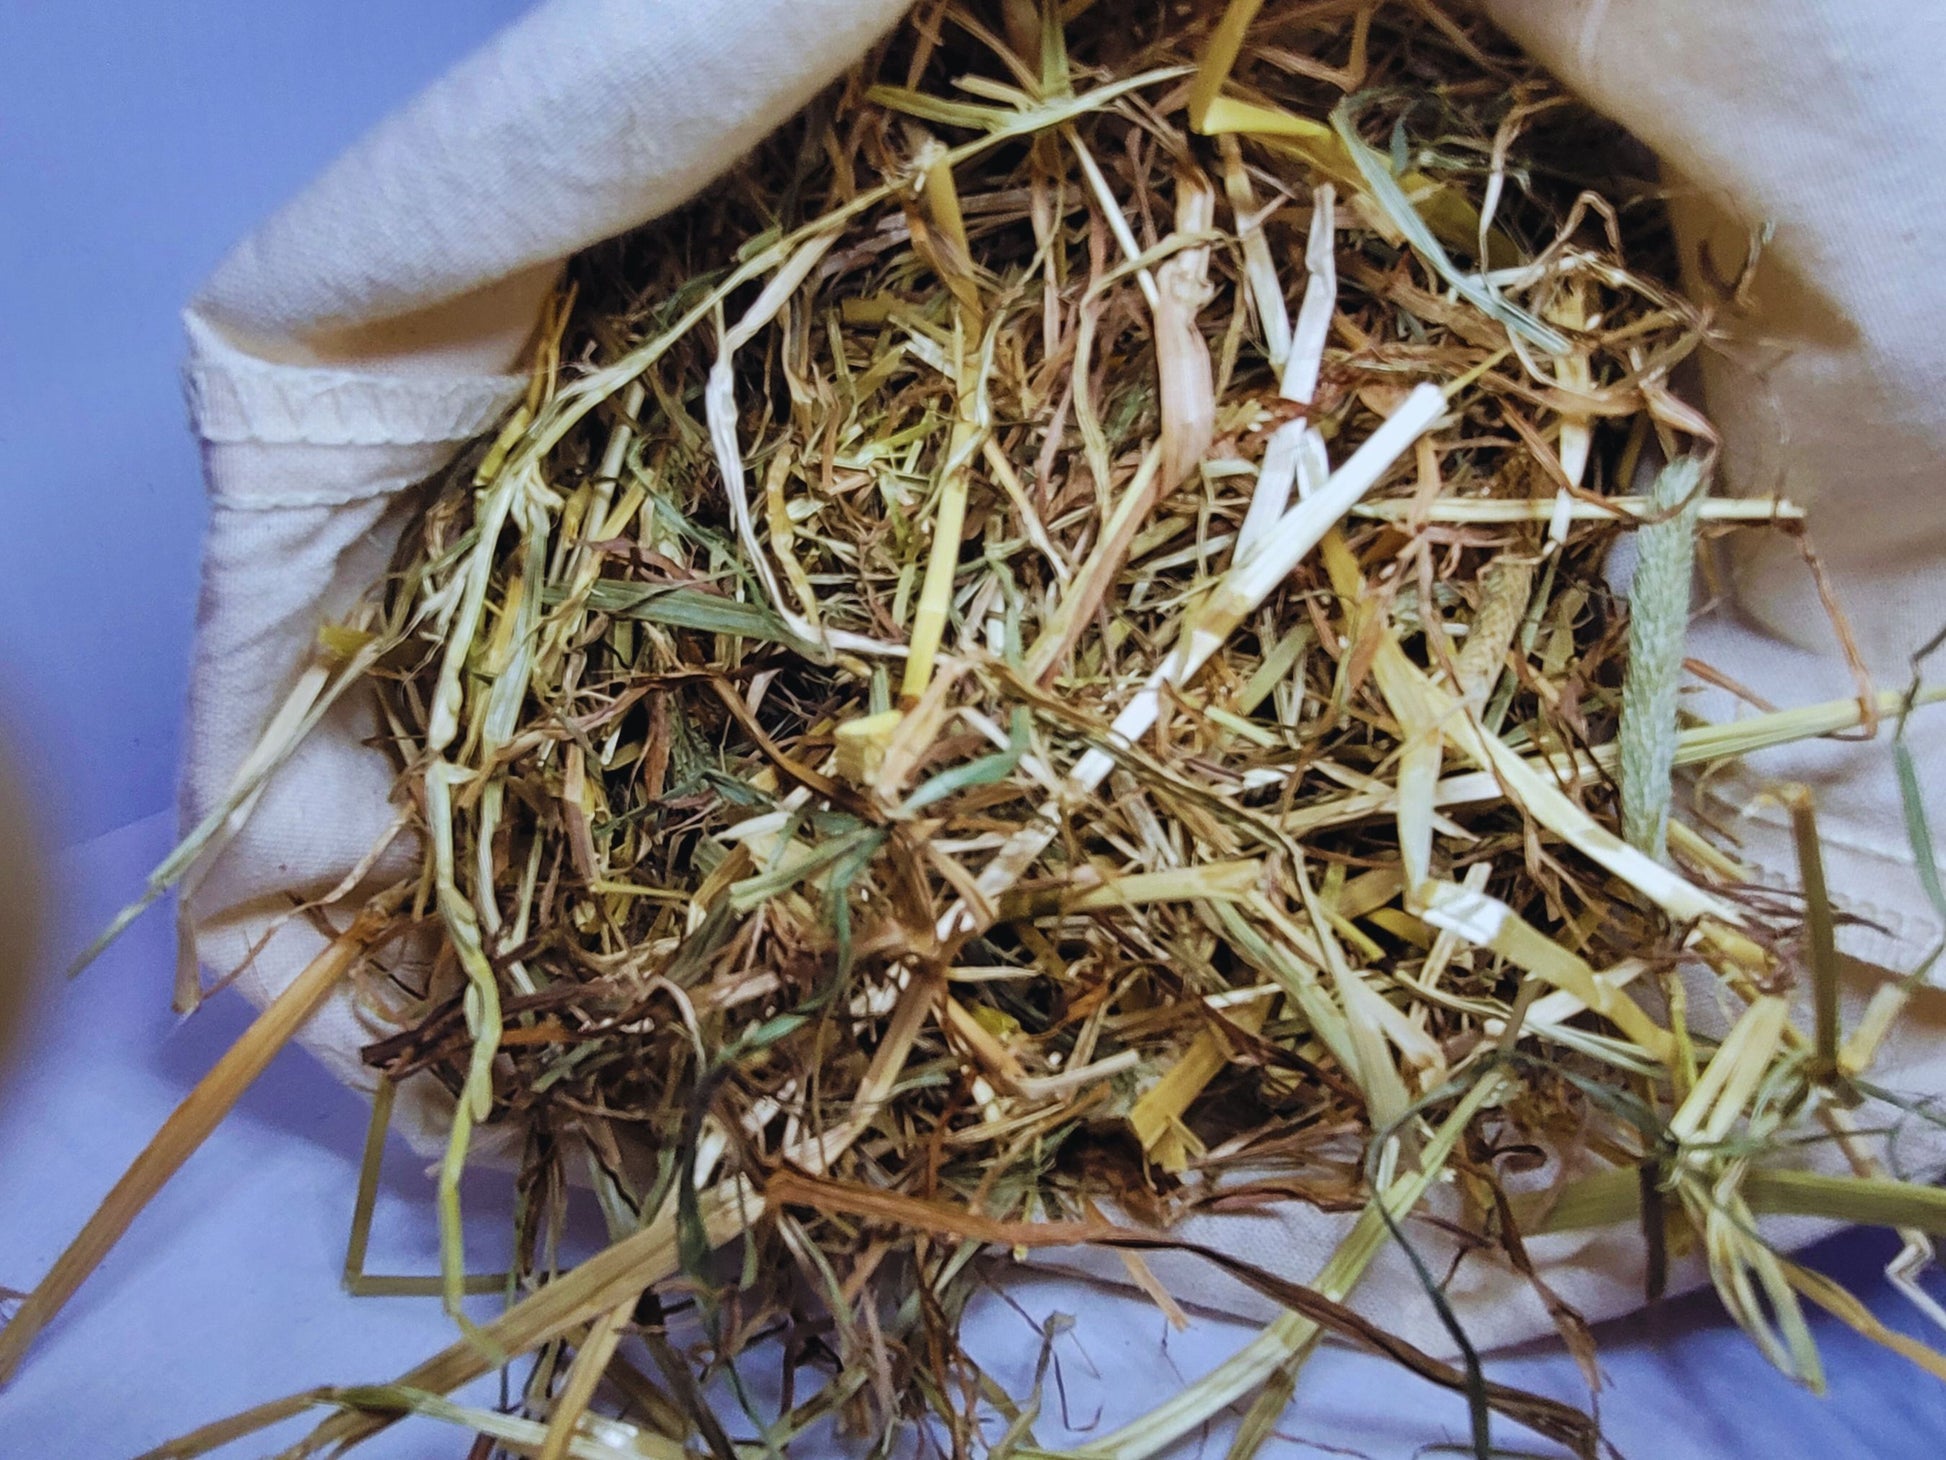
(1295, 455)
(1158, 1112)
(1486, 511)
(188, 1125)
(1821, 925)
(1485, 922)
(1291, 1334)
(590, 1360)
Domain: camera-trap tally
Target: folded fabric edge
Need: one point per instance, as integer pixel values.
(235, 398)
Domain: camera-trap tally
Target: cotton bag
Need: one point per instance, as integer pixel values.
(345, 350)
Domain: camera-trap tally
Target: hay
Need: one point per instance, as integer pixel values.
(949, 709)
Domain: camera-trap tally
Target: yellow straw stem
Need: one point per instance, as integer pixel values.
(201, 1110)
(942, 566)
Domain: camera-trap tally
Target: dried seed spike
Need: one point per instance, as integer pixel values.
(1658, 626)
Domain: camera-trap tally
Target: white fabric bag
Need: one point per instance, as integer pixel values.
(345, 350)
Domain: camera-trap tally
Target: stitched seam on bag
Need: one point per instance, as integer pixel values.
(294, 406)
(1911, 933)
(232, 502)
(1907, 934)
(1827, 835)
(1916, 933)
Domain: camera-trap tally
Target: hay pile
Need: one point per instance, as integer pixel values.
(1044, 650)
